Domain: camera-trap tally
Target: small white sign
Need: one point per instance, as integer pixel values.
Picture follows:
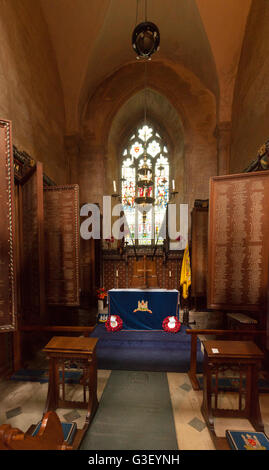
(215, 351)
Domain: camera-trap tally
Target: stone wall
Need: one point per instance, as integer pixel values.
(250, 116)
(31, 92)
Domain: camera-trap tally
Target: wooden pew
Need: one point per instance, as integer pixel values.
(49, 437)
(85, 330)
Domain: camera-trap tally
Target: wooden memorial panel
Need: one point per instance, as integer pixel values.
(32, 236)
(61, 205)
(8, 305)
(238, 241)
(199, 253)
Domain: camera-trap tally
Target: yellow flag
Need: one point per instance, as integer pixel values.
(185, 277)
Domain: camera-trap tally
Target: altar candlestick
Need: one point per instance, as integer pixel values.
(114, 186)
(173, 185)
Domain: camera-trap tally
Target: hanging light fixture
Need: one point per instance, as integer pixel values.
(145, 41)
(145, 37)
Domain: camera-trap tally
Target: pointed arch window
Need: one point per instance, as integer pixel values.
(145, 230)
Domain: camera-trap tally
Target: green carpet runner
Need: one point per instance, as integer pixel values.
(135, 413)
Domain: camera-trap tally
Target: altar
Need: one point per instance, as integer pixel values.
(143, 309)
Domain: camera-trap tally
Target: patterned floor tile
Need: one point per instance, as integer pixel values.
(71, 416)
(14, 412)
(186, 387)
(197, 424)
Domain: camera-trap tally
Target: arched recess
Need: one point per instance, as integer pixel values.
(194, 104)
(161, 113)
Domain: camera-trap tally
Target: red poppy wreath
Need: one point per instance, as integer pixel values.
(171, 324)
(114, 323)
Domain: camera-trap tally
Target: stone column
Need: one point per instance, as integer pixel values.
(72, 151)
(91, 171)
(223, 135)
(91, 189)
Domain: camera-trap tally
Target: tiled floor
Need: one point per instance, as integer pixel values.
(191, 430)
(22, 404)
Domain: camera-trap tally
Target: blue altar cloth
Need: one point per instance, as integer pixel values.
(143, 309)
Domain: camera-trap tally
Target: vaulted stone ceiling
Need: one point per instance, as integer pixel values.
(92, 40)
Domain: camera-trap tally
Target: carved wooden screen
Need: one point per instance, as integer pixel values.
(32, 254)
(8, 305)
(199, 242)
(238, 242)
(61, 204)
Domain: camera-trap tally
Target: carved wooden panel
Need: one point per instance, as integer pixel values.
(118, 273)
(32, 236)
(199, 254)
(8, 301)
(61, 204)
(238, 241)
(144, 273)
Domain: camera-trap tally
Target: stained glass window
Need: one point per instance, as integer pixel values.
(145, 226)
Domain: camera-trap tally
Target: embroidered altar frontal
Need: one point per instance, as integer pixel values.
(143, 309)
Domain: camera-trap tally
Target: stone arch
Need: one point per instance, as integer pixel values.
(194, 104)
(171, 129)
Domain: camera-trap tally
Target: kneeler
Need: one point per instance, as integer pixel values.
(247, 440)
(49, 434)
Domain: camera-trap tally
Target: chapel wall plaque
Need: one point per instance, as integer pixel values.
(238, 242)
(61, 206)
(8, 300)
(199, 242)
(32, 249)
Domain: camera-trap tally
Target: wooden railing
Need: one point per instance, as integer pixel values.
(192, 373)
(85, 330)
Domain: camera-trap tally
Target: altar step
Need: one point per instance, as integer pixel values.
(146, 350)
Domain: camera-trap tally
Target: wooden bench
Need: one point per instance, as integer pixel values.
(49, 437)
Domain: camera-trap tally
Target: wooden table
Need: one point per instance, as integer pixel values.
(81, 350)
(244, 357)
(143, 309)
